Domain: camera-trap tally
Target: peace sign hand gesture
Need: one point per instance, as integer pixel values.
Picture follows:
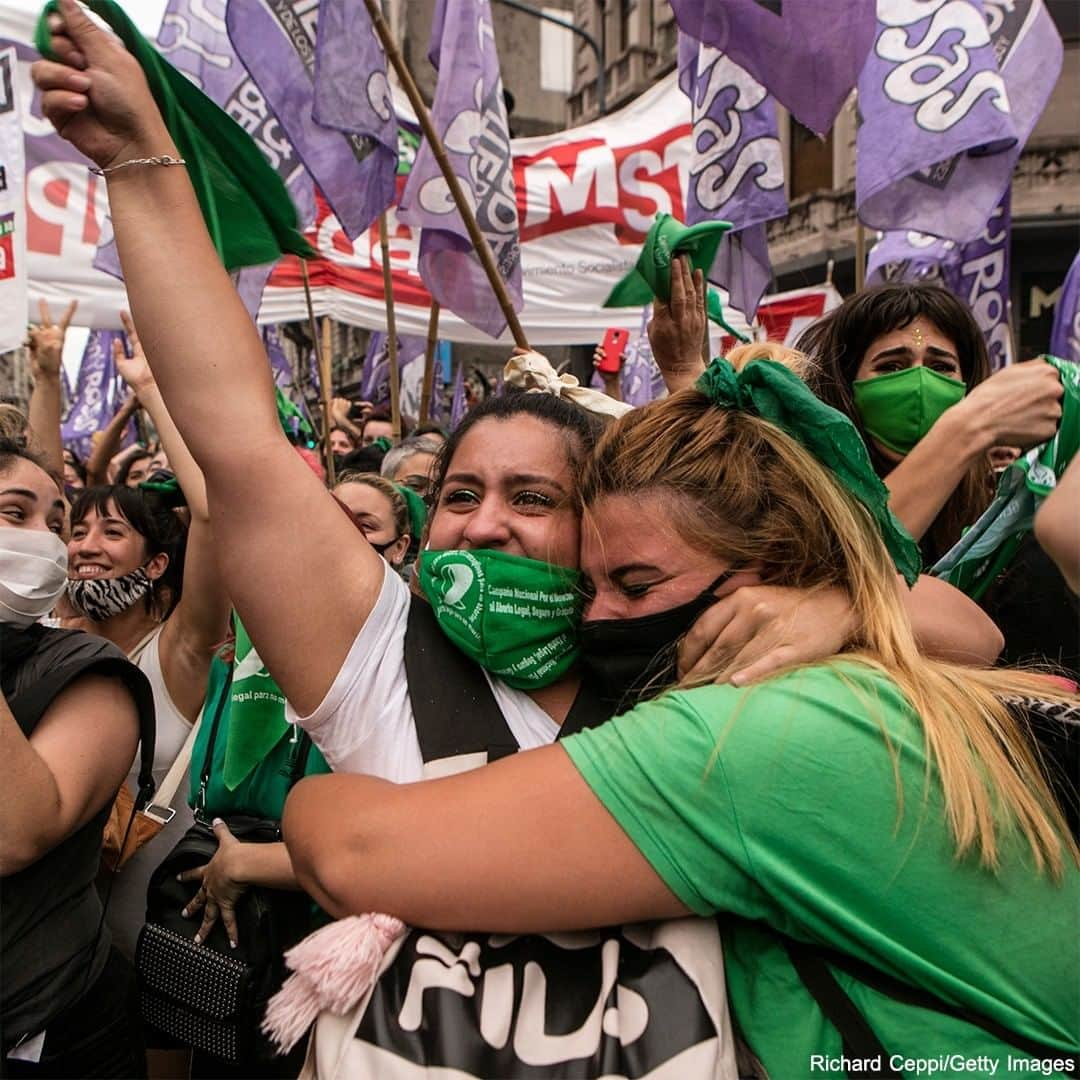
(46, 341)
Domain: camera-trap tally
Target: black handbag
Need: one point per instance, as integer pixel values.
(210, 996)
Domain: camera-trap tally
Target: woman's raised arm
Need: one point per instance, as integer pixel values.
(274, 522)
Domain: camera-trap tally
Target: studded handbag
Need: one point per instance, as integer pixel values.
(211, 996)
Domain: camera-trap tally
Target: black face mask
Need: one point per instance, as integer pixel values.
(382, 549)
(631, 660)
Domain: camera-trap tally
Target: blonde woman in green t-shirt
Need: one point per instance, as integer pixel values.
(878, 804)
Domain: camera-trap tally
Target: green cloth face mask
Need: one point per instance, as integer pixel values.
(898, 409)
(516, 617)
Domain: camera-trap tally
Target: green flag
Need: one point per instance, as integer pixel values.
(987, 547)
(245, 205)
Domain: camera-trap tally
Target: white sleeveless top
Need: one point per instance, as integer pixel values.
(127, 906)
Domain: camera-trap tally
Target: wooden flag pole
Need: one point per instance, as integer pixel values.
(483, 249)
(314, 331)
(327, 391)
(391, 331)
(429, 362)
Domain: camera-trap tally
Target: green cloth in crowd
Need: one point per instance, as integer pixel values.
(771, 391)
(417, 510)
(263, 789)
(167, 491)
(987, 548)
(292, 420)
(383, 443)
(244, 202)
(777, 803)
(667, 239)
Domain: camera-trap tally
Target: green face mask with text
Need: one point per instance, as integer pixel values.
(898, 409)
(517, 618)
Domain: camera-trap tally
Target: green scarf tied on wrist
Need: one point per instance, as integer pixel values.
(769, 390)
(246, 207)
(651, 277)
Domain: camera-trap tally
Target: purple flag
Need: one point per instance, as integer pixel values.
(352, 95)
(982, 281)
(736, 167)
(96, 399)
(641, 378)
(808, 53)
(375, 374)
(1065, 338)
(193, 37)
(279, 362)
(947, 100)
(277, 46)
(457, 397)
(977, 272)
(470, 117)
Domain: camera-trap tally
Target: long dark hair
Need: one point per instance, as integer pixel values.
(547, 408)
(160, 528)
(837, 344)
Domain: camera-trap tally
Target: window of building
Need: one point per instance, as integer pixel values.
(626, 14)
(811, 167)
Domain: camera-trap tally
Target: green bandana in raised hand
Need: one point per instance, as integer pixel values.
(988, 547)
(245, 205)
(516, 617)
(665, 241)
(769, 390)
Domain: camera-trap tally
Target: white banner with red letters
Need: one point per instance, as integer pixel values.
(13, 268)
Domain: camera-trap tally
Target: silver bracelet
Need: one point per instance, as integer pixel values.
(163, 160)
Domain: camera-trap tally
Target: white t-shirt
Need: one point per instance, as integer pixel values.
(365, 723)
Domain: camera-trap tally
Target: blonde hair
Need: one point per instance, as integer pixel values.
(792, 359)
(743, 490)
(399, 508)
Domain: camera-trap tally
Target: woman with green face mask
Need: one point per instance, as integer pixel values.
(908, 364)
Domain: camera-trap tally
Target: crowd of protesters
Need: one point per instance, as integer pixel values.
(568, 666)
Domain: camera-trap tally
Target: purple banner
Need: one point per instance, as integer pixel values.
(808, 53)
(97, 397)
(910, 256)
(947, 100)
(1065, 337)
(470, 116)
(279, 362)
(275, 40)
(736, 167)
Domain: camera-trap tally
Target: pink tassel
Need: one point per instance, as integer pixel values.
(332, 970)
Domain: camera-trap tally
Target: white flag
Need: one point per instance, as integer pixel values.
(12, 210)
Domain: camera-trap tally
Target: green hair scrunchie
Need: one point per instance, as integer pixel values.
(769, 390)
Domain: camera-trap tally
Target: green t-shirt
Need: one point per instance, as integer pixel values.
(777, 803)
(263, 791)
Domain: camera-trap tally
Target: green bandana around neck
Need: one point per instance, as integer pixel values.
(256, 713)
(667, 239)
(246, 207)
(900, 408)
(769, 390)
(517, 618)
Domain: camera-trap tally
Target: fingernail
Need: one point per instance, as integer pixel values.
(179, 877)
(184, 912)
(78, 82)
(737, 679)
(198, 940)
(217, 821)
(232, 944)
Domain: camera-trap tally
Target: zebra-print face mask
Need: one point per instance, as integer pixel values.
(101, 598)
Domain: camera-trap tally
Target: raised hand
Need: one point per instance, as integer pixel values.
(677, 328)
(134, 369)
(1019, 405)
(46, 340)
(96, 95)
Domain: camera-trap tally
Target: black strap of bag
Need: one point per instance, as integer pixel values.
(455, 710)
(812, 964)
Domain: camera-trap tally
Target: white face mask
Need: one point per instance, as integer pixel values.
(33, 573)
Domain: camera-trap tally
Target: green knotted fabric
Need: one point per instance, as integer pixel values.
(417, 510)
(666, 240)
(769, 390)
(987, 548)
(167, 491)
(245, 205)
(292, 420)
